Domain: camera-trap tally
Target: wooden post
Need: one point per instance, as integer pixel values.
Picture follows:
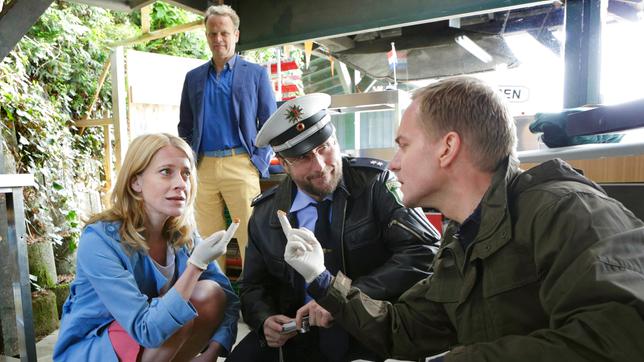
(119, 106)
(107, 164)
(145, 18)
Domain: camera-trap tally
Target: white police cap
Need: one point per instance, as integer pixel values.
(298, 126)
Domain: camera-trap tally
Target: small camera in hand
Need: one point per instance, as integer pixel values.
(305, 325)
(290, 326)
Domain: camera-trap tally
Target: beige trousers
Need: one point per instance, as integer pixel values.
(231, 181)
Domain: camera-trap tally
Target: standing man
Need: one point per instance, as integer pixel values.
(536, 265)
(353, 205)
(223, 104)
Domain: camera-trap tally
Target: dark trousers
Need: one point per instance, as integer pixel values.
(301, 348)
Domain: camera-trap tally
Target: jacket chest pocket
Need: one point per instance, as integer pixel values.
(361, 234)
(362, 240)
(511, 267)
(511, 291)
(446, 282)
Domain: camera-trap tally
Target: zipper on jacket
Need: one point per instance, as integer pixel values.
(406, 228)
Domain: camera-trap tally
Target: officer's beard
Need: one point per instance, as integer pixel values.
(312, 188)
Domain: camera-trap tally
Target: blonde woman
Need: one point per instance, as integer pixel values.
(145, 286)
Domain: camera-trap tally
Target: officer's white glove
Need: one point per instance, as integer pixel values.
(208, 250)
(304, 253)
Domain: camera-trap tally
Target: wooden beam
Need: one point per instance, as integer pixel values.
(621, 169)
(145, 18)
(197, 24)
(94, 122)
(101, 80)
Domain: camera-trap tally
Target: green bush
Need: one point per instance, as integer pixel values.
(46, 83)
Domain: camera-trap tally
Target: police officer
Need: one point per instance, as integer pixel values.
(353, 206)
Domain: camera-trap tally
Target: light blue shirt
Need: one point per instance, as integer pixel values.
(306, 212)
(111, 284)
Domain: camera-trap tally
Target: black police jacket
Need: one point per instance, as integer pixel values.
(386, 247)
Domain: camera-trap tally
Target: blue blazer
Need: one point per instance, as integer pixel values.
(253, 102)
(111, 284)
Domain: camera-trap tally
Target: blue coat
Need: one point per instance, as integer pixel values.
(253, 102)
(112, 285)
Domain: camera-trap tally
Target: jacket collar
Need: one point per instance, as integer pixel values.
(496, 222)
(287, 189)
(230, 64)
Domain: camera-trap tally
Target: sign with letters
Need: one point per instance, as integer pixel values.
(515, 94)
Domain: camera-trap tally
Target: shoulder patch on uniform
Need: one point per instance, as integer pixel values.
(368, 162)
(394, 188)
(264, 195)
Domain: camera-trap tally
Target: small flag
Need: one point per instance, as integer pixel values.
(392, 58)
(402, 60)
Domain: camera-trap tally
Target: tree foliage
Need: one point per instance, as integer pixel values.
(46, 83)
(189, 44)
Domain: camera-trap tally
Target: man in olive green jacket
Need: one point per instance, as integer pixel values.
(535, 266)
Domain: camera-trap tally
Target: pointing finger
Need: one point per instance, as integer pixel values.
(286, 225)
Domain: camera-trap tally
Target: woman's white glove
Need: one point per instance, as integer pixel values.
(304, 253)
(208, 250)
